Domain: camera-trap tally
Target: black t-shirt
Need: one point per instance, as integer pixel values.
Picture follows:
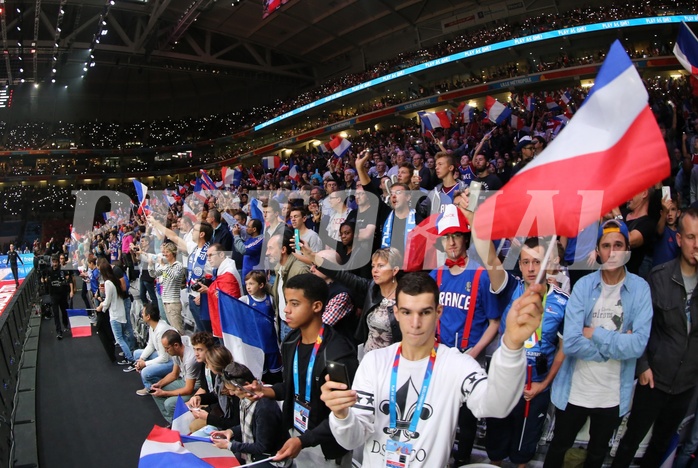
(59, 281)
(490, 182)
(12, 257)
(368, 217)
(647, 227)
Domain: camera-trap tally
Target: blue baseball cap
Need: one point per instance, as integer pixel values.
(613, 225)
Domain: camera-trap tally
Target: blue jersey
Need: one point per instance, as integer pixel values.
(455, 296)
(265, 306)
(545, 346)
(665, 249)
(466, 175)
(253, 254)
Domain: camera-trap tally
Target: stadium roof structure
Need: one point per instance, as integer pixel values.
(184, 47)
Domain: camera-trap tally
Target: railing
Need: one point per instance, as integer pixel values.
(13, 329)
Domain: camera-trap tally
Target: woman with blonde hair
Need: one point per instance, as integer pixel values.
(377, 326)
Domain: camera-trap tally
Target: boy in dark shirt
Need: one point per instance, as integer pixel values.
(309, 346)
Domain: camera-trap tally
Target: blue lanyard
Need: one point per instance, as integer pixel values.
(422, 394)
(309, 371)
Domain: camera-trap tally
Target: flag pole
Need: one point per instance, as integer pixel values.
(546, 259)
(529, 372)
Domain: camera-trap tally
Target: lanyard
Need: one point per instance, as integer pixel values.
(309, 371)
(539, 330)
(422, 393)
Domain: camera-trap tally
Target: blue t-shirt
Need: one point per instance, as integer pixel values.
(455, 296)
(551, 329)
(253, 254)
(466, 175)
(578, 248)
(665, 249)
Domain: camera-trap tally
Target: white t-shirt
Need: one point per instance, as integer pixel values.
(312, 240)
(597, 384)
(456, 378)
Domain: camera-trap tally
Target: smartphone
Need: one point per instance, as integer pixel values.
(152, 390)
(415, 173)
(242, 388)
(297, 239)
(474, 197)
(338, 372)
(666, 192)
(218, 436)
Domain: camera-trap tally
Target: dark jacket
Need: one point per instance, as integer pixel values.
(334, 347)
(268, 439)
(671, 352)
(216, 416)
(223, 236)
(365, 292)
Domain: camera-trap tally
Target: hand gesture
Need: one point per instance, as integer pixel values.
(524, 317)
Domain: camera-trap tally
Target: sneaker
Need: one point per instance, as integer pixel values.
(130, 368)
(124, 362)
(59, 336)
(121, 354)
(142, 392)
(66, 330)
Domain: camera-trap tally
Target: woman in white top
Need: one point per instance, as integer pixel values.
(113, 302)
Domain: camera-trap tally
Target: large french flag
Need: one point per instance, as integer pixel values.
(209, 453)
(434, 120)
(497, 112)
(206, 181)
(686, 49)
(141, 192)
(466, 111)
(610, 151)
(339, 146)
(231, 176)
(163, 449)
(530, 103)
(249, 334)
(79, 323)
(270, 162)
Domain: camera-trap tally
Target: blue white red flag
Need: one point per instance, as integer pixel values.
(517, 123)
(163, 449)
(566, 97)
(79, 323)
(434, 120)
(686, 49)
(206, 181)
(568, 186)
(141, 192)
(209, 453)
(551, 104)
(256, 211)
(182, 417)
(339, 146)
(466, 111)
(497, 113)
(530, 103)
(249, 334)
(270, 162)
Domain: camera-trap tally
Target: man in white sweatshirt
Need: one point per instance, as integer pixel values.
(153, 362)
(410, 416)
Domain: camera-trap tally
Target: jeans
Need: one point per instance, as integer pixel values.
(285, 330)
(152, 373)
(196, 313)
(149, 288)
(166, 405)
(121, 335)
(570, 421)
(690, 445)
(651, 406)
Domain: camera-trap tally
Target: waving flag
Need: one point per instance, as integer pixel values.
(566, 97)
(79, 323)
(270, 162)
(206, 181)
(293, 174)
(466, 111)
(163, 448)
(497, 112)
(256, 211)
(189, 213)
(530, 103)
(433, 120)
(339, 146)
(569, 185)
(141, 192)
(249, 335)
(209, 453)
(551, 104)
(686, 49)
(517, 122)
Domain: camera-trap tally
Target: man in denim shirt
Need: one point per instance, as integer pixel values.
(607, 325)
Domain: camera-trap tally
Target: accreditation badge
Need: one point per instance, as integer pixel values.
(301, 415)
(397, 454)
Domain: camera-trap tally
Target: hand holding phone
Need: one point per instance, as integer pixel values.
(338, 372)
